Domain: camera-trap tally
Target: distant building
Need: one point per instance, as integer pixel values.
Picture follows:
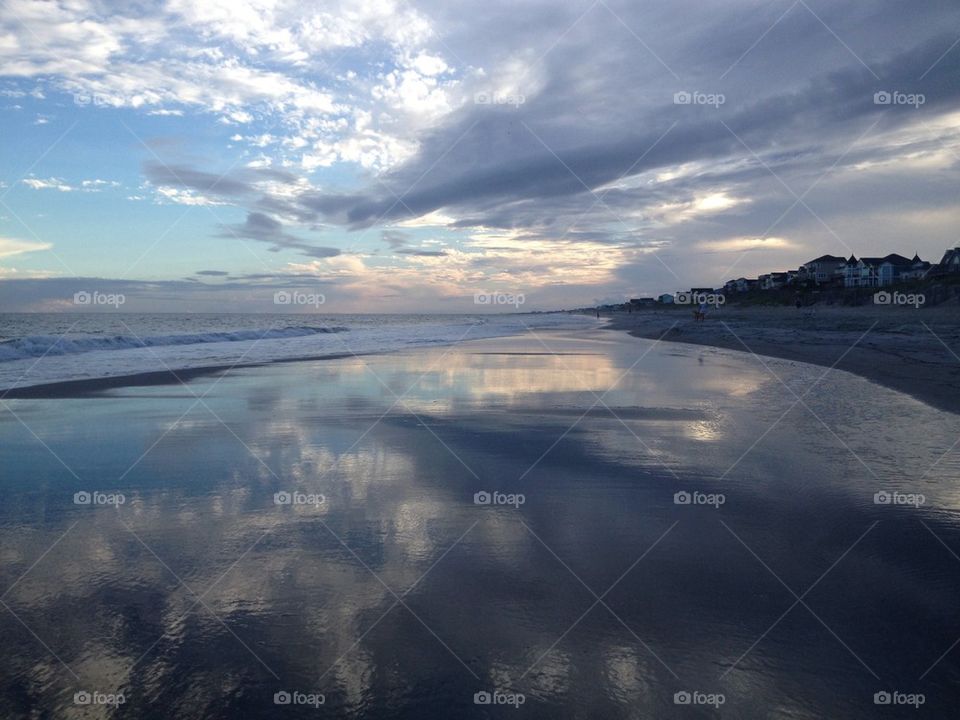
(666, 299)
(823, 269)
(868, 272)
(642, 302)
(917, 271)
(772, 281)
(739, 285)
(949, 265)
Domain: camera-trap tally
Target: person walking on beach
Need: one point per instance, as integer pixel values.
(701, 313)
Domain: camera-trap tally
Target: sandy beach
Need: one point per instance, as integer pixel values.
(914, 351)
(586, 521)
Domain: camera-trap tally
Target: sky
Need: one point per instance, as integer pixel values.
(394, 156)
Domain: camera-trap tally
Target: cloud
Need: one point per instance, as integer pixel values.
(421, 253)
(522, 140)
(263, 228)
(61, 185)
(13, 246)
(47, 184)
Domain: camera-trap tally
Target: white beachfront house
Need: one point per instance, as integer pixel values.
(870, 272)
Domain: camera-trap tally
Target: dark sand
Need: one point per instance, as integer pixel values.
(914, 351)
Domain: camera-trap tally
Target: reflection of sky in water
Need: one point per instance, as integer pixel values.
(283, 603)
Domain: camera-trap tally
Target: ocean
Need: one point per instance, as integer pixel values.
(38, 349)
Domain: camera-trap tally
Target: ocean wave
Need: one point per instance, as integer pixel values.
(46, 345)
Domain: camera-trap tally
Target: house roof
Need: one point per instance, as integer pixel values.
(896, 259)
(825, 258)
(949, 256)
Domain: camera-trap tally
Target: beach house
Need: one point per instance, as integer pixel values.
(917, 270)
(949, 265)
(870, 272)
(773, 281)
(824, 269)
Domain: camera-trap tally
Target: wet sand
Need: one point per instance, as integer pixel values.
(407, 591)
(914, 351)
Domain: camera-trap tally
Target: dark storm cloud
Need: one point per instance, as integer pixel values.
(252, 292)
(421, 253)
(830, 109)
(233, 183)
(264, 228)
(599, 81)
(394, 238)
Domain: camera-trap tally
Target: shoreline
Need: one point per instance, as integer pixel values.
(90, 387)
(892, 348)
(902, 349)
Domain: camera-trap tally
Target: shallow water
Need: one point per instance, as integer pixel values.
(398, 596)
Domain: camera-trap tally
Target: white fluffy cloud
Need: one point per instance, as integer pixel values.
(286, 62)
